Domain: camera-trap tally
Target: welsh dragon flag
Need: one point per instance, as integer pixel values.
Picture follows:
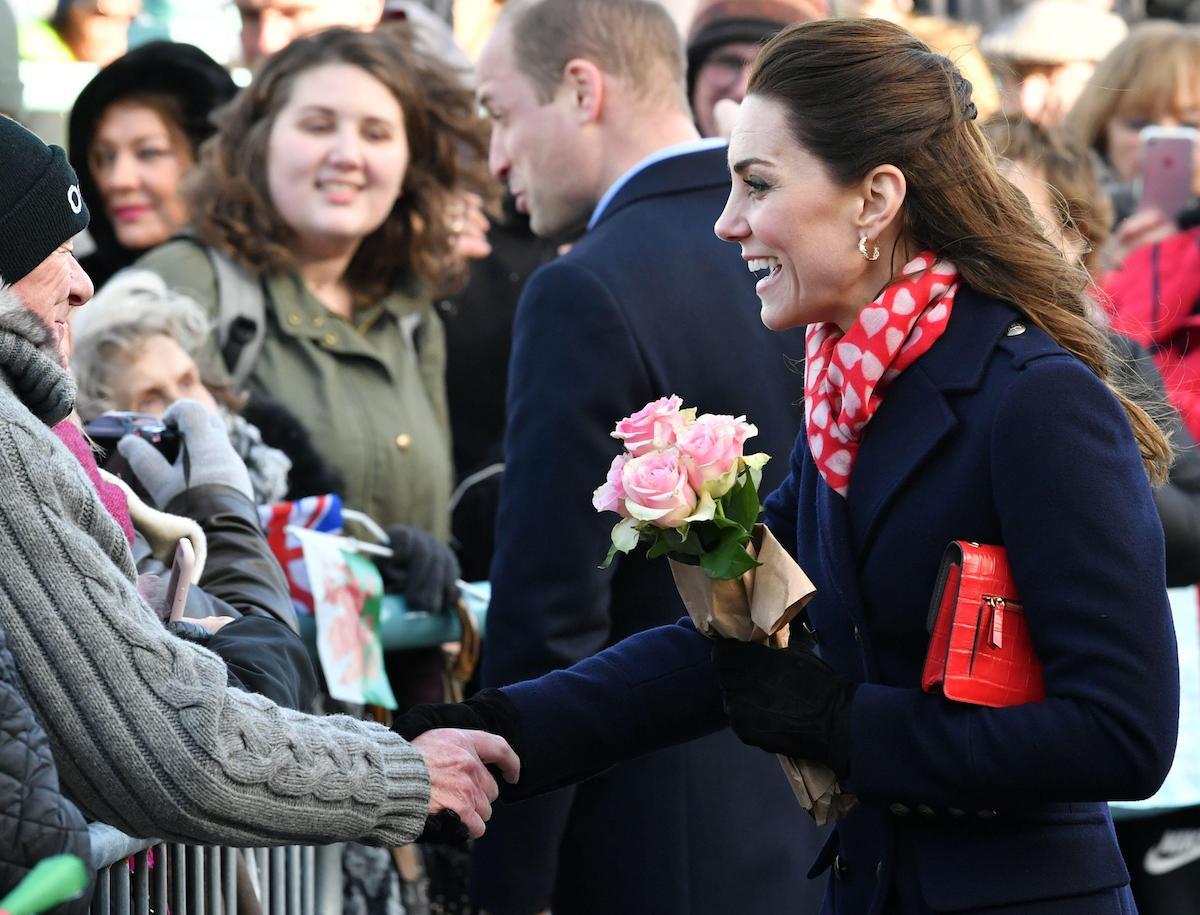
(347, 594)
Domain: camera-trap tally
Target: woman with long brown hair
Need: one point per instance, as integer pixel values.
(327, 192)
(955, 390)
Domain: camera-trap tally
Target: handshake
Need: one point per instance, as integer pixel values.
(459, 742)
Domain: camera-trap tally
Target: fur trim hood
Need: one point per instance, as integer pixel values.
(29, 361)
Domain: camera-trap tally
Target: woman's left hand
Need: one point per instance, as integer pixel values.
(786, 700)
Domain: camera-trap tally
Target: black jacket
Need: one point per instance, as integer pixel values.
(36, 821)
(242, 579)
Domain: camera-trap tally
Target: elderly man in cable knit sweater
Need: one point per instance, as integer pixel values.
(145, 732)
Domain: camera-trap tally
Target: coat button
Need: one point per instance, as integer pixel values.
(985, 814)
(318, 320)
(1015, 329)
(294, 319)
(900, 810)
(330, 339)
(403, 441)
(841, 870)
(857, 633)
(925, 810)
(955, 813)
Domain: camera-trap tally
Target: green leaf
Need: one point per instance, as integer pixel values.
(660, 547)
(742, 503)
(729, 560)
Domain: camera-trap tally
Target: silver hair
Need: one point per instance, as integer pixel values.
(110, 330)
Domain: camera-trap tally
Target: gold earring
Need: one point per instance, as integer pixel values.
(873, 254)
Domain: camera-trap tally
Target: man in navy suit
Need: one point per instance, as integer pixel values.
(592, 133)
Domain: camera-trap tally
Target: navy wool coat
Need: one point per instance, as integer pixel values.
(995, 435)
(648, 303)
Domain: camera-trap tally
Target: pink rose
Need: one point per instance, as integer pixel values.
(657, 490)
(710, 448)
(610, 496)
(653, 426)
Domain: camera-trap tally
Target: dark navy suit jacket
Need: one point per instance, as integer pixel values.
(995, 435)
(648, 303)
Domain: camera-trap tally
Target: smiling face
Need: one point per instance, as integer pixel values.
(137, 162)
(538, 149)
(793, 221)
(51, 289)
(336, 158)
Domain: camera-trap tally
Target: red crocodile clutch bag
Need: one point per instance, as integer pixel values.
(980, 650)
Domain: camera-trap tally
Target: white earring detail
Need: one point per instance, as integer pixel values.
(873, 254)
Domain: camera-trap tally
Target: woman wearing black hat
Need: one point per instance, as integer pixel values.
(134, 132)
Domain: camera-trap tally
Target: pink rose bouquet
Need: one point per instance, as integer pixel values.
(684, 485)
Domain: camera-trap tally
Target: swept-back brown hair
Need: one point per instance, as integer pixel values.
(227, 193)
(1155, 71)
(633, 40)
(863, 93)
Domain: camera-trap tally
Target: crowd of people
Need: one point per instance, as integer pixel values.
(425, 255)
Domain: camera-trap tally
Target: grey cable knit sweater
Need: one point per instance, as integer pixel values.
(146, 735)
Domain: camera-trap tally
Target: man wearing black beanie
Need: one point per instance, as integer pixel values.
(41, 211)
(722, 43)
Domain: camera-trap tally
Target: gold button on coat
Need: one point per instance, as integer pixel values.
(330, 339)
(403, 441)
(294, 319)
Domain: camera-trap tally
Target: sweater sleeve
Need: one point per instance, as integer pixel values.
(147, 735)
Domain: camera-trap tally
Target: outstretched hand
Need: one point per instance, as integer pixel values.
(458, 778)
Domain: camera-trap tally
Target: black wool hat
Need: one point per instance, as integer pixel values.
(40, 203)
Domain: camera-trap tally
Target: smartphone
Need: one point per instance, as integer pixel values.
(180, 581)
(1166, 173)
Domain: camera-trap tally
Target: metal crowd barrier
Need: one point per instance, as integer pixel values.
(148, 877)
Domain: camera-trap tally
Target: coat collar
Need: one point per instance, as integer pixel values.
(675, 175)
(915, 416)
(29, 361)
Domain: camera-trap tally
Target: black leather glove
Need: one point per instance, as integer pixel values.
(188, 631)
(488, 710)
(786, 700)
(423, 569)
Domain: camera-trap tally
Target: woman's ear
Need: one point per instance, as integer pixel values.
(583, 88)
(883, 189)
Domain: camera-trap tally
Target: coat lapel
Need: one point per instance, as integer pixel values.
(916, 416)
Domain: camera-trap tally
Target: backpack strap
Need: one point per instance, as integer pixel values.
(241, 311)
(241, 315)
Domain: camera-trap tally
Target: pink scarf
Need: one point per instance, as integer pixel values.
(846, 374)
(111, 496)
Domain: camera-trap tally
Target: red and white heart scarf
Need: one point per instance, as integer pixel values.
(847, 373)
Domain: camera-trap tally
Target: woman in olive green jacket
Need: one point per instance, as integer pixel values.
(327, 186)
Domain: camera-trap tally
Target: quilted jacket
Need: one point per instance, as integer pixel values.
(36, 821)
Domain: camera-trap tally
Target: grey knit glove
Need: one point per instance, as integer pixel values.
(205, 456)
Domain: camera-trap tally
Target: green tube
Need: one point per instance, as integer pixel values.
(52, 882)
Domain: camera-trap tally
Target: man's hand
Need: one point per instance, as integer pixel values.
(458, 780)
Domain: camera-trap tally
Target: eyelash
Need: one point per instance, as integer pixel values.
(756, 186)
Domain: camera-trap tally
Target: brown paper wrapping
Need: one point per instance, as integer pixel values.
(757, 608)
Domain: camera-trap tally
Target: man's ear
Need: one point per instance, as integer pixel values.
(883, 190)
(583, 86)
